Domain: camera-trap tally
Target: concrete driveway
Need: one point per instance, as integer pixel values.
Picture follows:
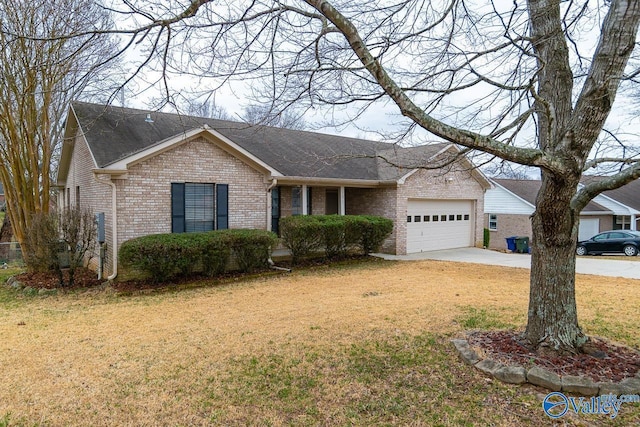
(584, 265)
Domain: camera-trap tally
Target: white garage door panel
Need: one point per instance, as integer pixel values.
(589, 227)
(436, 235)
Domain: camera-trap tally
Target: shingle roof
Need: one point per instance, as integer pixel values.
(628, 194)
(527, 189)
(114, 133)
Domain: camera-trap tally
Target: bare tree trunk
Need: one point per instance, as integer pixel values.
(6, 236)
(553, 317)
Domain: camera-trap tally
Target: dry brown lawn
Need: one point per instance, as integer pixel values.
(174, 357)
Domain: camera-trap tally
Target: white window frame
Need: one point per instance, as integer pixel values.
(493, 222)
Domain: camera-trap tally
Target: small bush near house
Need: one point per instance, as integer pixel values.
(159, 255)
(251, 249)
(216, 253)
(301, 235)
(336, 234)
(42, 244)
(60, 241)
(486, 238)
(167, 256)
(372, 231)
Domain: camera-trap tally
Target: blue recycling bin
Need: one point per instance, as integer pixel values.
(511, 243)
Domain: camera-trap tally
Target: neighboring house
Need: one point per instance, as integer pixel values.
(510, 203)
(160, 173)
(624, 202)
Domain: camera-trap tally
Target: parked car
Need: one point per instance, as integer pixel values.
(614, 241)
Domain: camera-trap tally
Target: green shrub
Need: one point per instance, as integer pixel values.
(373, 231)
(336, 234)
(162, 256)
(301, 235)
(216, 253)
(167, 256)
(251, 248)
(486, 238)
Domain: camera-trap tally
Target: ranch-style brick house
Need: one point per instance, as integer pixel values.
(152, 172)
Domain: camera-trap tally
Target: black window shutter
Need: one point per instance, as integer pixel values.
(222, 206)
(177, 207)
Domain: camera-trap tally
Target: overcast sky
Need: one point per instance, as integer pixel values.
(376, 121)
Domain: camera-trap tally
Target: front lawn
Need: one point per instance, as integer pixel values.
(362, 343)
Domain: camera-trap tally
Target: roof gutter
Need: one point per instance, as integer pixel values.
(365, 183)
(114, 224)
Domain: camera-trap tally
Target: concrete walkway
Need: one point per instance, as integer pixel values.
(584, 265)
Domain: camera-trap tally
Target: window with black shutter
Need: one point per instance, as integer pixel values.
(199, 207)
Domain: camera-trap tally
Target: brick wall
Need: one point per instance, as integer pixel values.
(144, 198)
(318, 198)
(93, 194)
(379, 202)
(508, 226)
(606, 222)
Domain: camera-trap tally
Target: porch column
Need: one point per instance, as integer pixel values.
(634, 222)
(341, 202)
(303, 200)
(268, 209)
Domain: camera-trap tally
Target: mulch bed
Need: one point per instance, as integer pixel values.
(606, 361)
(83, 278)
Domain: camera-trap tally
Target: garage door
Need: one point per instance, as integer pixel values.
(439, 224)
(589, 227)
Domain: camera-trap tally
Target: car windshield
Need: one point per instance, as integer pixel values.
(635, 233)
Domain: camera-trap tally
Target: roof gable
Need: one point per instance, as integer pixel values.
(527, 190)
(500, 200)
(628, 194)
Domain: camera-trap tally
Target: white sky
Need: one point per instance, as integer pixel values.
(233, 98)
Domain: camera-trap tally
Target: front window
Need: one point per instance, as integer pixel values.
(296, 201)
(493, 222)
(622, 222)
(198, 207)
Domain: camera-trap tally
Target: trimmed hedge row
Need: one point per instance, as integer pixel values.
(166, 256)
(335, 234)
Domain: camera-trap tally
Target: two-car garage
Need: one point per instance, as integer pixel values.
(439, 224)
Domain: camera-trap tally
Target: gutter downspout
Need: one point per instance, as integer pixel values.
(274, 183)
(114, 224)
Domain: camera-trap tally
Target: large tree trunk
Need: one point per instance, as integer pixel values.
(553, 318)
